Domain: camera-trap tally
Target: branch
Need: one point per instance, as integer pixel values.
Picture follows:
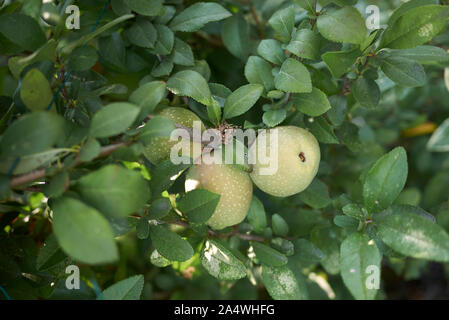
(38, 174)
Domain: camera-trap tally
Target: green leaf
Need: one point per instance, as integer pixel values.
(114, 190)
(199, 205)
(271, 50)
(158, 260)
(33, 161)
(241, 100)
(192, 84)
(142, 33)
(385, 180)
(293, 77)
(82, 232)
(325, 239)
(366, 92)
(405, 72)
(113, 119)
(269, 256)
(158, 126)
(316, 195)
(305, 44)
(439, 141)
(35, 91)
(22, 30)
(345, 222)
(306, 4)
(415, 236)
(342, 25)
(280, 227)
(274, 117)
(32, 133)
(182, 53)
(165, 40)
(143, 229)
(322, 130)
(159, 208)
(312, 104)
(128, 289)
(220, 262)
(284, 283)
(283, 22)
(359, 263)
(148, 95)
(169, 244)
(162, 175)
(415, 27)
(306, 252)
(256, 215)
(406, 6)
(421, 54)
(354, 211)
(90, 150)
(145, 7)
(214, 112)
(82, 58)
(340, 62)
(235, 36)
(50, 253)
(58, 184)
(46, 52)
(258, 71)
(197, 15)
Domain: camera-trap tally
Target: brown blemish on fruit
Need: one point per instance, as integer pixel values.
(302, 157)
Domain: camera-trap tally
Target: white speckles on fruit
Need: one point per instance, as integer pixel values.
(233, 185)
(298, 157)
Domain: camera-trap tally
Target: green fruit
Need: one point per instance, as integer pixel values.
(232, 184)
(158, 149)
(298, 159)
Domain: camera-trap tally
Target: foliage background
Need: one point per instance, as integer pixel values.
(63, 146)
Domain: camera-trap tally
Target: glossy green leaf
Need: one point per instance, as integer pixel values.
(340, 62)
(385, 180)
(404, 72)
(258, 71)
(165, 40)
(283, 22)
(279, 225)
(148, 95)
(316, 195)
(197, 15)
(28, 36)
(284, 283)
(146, 8)
(322, 130)
(271, 50)
(142, 33)
(114, 190)
(169, 244)
(366, 92)
(293, 77)
(235, 35)
(32, 133)
(159, 208)
(342, 25)
(241, 100)
(128, 289)
(360, 266)
(439, 141)
(305, 44)
(82, 232)
(256, 215)
(182, 53)
(113, 119)
(158, 126)
(82, 58)
(192, 84)
(274, 117)
(199, 205)
(312, 104)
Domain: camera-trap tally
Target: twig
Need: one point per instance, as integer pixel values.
(38, 174)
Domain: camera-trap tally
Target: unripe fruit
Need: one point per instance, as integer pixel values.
(232, 184)
(159, 148)
(298, 157)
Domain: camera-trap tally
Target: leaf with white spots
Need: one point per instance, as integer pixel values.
(415, 236)
(359, 261)
(285, 282)
(220, 262)
(415, 27)
(385, 180)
